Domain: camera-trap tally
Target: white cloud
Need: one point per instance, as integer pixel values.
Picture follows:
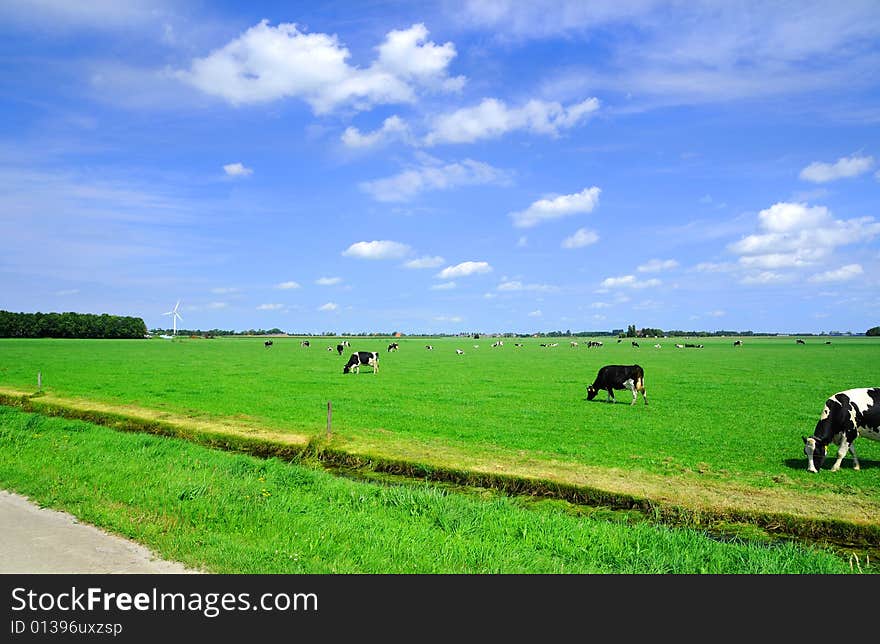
(270, 307)
(328, 281)
(329, 306)
(581, 237)
(714, 267)
(516, 285)
(269, 63)
(464, 269)
(224, 290)
(843, 168)
(841, 274)
(382, 249)
(628, 281)
(287, 285)
(409, 183)
(554, 208)
(425, 261)
(445, 286)
(449, 318)
(216, 305)
(236, 170)
(407, 55)
(536, 314)
(392, 128)
(766, 277)
(492, 119)
(656, 265)
(796, 235)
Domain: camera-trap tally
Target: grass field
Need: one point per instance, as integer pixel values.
(233, 513)
(722, 432)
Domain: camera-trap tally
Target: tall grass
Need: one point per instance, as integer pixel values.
(232, 513)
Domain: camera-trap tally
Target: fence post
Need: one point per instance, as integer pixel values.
(329, 417)
(40, 381)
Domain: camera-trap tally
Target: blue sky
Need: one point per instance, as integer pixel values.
(442, 167)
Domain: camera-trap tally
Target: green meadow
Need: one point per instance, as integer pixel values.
(720, 437)
(221, 512)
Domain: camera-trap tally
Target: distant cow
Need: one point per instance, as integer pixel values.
(459, 352)
(429, 347)
(393, 346)
(340, 348)
(679, 346)
(593, 343)
(619, 340)
(367, 358)
(635, 344)
(267, 343)
(615, 376)
(828, 342)
(846, 416)
(737, 343)
(799, 341)
(658, 346)
(517, 344)
(572, 344)
(304, 343)
(497, 344)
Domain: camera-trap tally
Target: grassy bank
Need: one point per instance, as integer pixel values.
(234, 513)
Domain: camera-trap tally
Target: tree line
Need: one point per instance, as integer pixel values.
(70, 325)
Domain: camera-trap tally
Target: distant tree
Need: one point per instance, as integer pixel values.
(873, 331)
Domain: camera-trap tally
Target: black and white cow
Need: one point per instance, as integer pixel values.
(366, 358)
(846, 416)
(393, 347)
(459, 352)
(635, 344)
(340, 348)
(429, 347)
(737, 343)
(593, 343)
(267, 343)
(617, 376)
(799, 341)
(304, 343)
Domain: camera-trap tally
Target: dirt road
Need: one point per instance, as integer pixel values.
(42, 541)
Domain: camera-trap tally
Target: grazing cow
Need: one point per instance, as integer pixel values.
(459, 352)
(393, 347)
(497, 344)
(737, 343)
(267, 343)
(693, 346)
(329, 348)
(517, 344)
(429, 347)
(593, 343)
(846, 416)
(799, 341)
(658, 346)
(572, 344)
(619, 340)
(635, 344)
(368, 358)
(679, 346)
(304, 343)
(828, 342)
(340, 348)
(615, 376)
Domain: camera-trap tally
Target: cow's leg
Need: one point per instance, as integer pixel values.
(845, 446)
(610, 395)
(641, 386)
(629, 384)
(855, 458)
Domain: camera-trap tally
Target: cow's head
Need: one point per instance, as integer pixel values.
(815, 452)
(591, 392)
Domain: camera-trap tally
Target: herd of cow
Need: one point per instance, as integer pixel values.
(846, 415)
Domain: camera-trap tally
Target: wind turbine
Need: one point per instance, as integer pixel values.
(174, 316)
